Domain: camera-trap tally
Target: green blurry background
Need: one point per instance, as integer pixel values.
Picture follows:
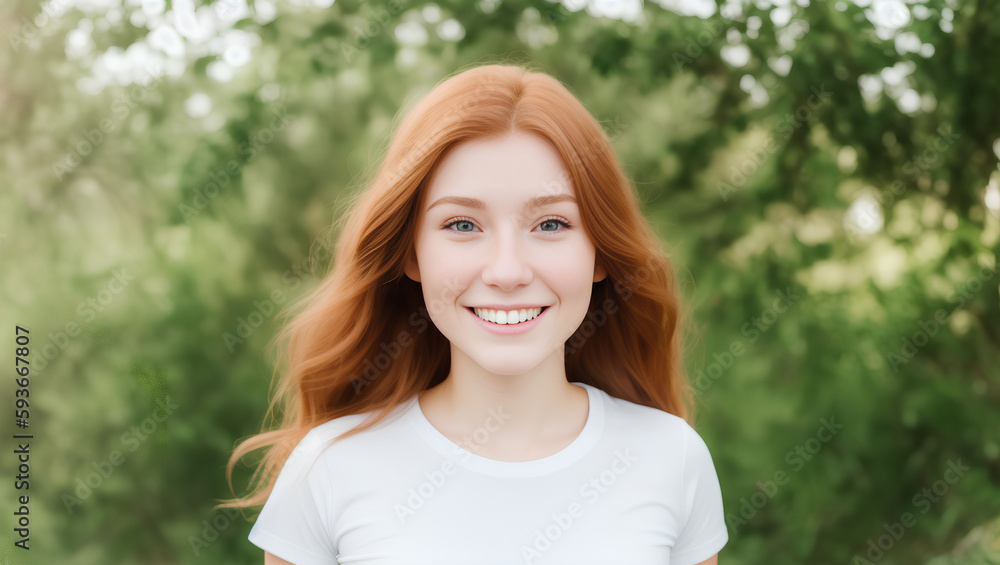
(824, 174)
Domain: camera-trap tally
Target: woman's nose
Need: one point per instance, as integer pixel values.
(506, 263)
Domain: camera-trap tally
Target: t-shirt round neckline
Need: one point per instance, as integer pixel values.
(563, 458)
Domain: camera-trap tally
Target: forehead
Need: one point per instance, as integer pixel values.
(519, 166)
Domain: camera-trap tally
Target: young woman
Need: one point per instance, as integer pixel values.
(491, 372)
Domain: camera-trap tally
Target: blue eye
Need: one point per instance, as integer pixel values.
(459, 221)
(552, 220)
(555, 221)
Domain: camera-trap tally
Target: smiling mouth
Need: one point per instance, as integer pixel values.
(473, 310)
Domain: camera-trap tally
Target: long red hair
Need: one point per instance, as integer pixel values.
(343, 353)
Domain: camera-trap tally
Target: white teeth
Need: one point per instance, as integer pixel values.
(508, 317)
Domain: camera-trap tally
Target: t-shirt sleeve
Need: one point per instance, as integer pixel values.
(295, 523)
(704, 532)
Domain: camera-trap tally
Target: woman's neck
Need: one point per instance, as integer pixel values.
(507, 417)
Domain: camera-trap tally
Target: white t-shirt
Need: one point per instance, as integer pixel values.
(637, 487)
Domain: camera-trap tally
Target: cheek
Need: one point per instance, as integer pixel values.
(571, 271)
(445, 274)
(435, 257)
(576, 257)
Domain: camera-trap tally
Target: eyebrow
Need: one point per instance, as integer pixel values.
(535, 202)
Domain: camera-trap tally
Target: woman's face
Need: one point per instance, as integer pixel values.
(481, 242)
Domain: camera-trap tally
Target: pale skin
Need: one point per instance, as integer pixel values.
(483, 239)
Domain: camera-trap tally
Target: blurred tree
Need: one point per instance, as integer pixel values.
(825, 172)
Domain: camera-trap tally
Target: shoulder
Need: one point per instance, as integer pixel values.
(332, 429)
(323, 439)
(658, 429)
(638, 416)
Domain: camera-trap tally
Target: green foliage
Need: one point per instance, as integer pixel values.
(808, 306)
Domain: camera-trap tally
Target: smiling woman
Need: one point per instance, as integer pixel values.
(517, 251)
(499, 228)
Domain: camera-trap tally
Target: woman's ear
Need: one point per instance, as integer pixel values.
(599, 271)
(410, 268)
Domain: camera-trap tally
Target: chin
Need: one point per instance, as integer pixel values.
(502, 365)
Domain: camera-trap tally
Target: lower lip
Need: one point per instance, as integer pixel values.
(508, 329)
